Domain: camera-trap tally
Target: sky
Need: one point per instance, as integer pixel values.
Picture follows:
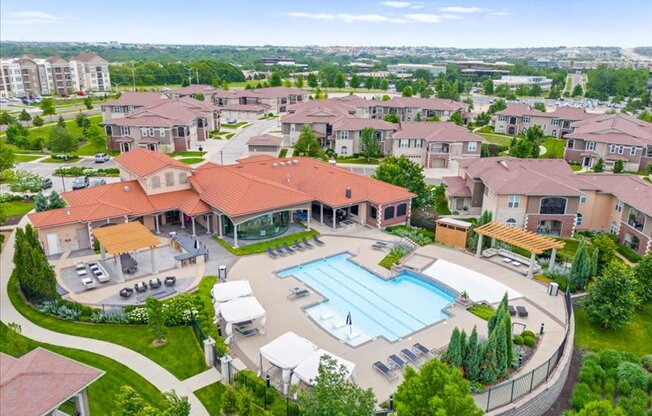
(446, 23)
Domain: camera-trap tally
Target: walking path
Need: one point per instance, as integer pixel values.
(148, 369)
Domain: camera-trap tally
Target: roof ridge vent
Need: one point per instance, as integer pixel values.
(503, 163)
(126, 188)
(274, 165)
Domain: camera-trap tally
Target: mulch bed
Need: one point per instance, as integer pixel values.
(13, 220)
(563, 402)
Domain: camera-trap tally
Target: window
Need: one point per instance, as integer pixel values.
(109, 130)
(502, 118)
(614, 228)
(513, 201)
(156, 182)
(511, 223)
(402, 143)
(583, 198)
(117, 109)
(632, 151)
(344, 135)
(555, 122)
(621, 150)
(525, 119)
(553, 133)
(373, 212)
(151, 132)
(125, 131)
(169, 179)
(161, 132)
(612, 148)
(579, 219)
(344, 150)
(183, 177)
(389, 213)
(130, 108)
(619, 205)
(570, 143)
(144, 132)
(401, 210)
(553, 205)
(418, 143)
(473, 146)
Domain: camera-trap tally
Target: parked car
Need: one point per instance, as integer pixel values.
(47, 183)
(101, 158)
(98, 182)
(80, 182)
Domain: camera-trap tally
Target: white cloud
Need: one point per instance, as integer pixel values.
(424, 18)
(30, 17)
(402, 5)
(451, 16)
(461, 9)
(500, 13)
(348, 18)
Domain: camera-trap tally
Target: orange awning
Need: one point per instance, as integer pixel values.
(527, 240)
(123, 238)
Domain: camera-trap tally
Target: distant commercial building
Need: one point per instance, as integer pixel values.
(409, 68)
(513, 81)
(543, 63)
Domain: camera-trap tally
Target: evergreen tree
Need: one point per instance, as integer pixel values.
(463, 347)
(594, 261)
(581, 268)
(489, 372)
(454, 351)
(37, 121)
(599, 166)
(55, 201)
(473, 356)
(61, 122)
(40, 202)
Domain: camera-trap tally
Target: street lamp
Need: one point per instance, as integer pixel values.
(221, 157)
(63, 182)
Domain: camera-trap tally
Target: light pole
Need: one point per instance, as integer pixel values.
(63, 182)
(221, 157)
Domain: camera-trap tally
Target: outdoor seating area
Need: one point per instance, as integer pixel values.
(129, 264)
(90, 274)
(297, 293)
(297, 246)
(237, 308)
(415, 356)
(152, 285)
(512, 260)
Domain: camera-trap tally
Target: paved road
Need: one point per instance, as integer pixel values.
(236, 148)
(575, 80)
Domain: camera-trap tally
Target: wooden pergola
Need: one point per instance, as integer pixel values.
(527, 240)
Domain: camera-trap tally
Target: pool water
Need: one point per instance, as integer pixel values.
(392, 308)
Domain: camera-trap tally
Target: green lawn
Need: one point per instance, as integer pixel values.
(188, 154)
(181, 356)
(554, 148)
(358, 161)
(482, 310)
(211, 397)
(262, 246)
(235, 125)
(25, 158)
(229, 135)
(635, 337)
(283, 153)
(576, 168)
(15, 208)
(500, 139)
(71, 126)
(191, 160)
(102, 393)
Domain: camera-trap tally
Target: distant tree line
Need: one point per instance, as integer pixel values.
(204, 71)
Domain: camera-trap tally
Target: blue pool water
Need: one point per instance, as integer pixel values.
(391, 308)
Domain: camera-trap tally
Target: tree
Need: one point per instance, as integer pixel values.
(619, 166)
(599, 408)
(7, 159)
(488, 86)
(577, 91)
(594, 262)
(369, 83)
(392, 118)
(599, 166)
(229, 400)
(88, 102)
(82, 121)
(328, 73)
(369, 146)
(401, 171)
(384, 85)
(176, 406)
(339, 81)
(312, 80)
(17, 134)
(456, 118)
(455, 351)
(156, 319)
(47, 107)
(499, 105)
(580, 270)
(55, 201)
(24, 116)
(96, 137)
(333, 394)
(607, 249)
(60, 141)
(298, 82)
(35, 275)
(540, 106)
(643, 275)
(275, 79)
(483, 119)
(245, 403)
(355, 81)
(6, 118)
(612, 296)
(37, 121)
(40, 202)
(61, 122)
(435, 390)
(307, 144)
(407, 92)
(472, 357)
(200, 97)
(130, 403)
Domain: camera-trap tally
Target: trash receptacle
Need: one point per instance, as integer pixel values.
(553, 288)
(221, 272)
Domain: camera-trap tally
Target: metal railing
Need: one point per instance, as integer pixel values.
(201, 337)
(505, 393)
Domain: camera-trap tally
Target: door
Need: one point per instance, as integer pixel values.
(438, 163)
(83, 238)
(587, 162)
(53, 243)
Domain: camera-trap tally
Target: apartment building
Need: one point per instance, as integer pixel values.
(347, 130)
(65, 79)
(129, 101)
(11, 80)
(435, 144)
(514, 81)
(610, 137)
(518, 117)
(93, 72)
(415, 109)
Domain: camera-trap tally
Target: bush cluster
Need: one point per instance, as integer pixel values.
(35, 275)
(82, 171)
(7, 197)
(25, 181)
(421, 236)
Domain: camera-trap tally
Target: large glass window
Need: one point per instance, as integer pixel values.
(553, 205)
(373, 212)
(389, 213)
(401, 210)
(258, 228)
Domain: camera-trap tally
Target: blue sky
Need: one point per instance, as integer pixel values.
(454, 23)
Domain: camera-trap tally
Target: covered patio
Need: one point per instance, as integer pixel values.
(527, 240)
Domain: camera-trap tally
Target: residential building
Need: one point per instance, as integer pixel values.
(518, 117)
(514, 81)
(610, 137)
(208, 91)
(128, 102)
(416, 109)
(277, 99)
(65, 79)
(265, 144)
(346, 141)
(435, 70)
(11, 80)
(93, 72)
(39, 382)
(253, 199)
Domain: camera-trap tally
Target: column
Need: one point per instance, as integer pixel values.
(192, 219)
(530, 270)
(121, 277)
(309, 214)
(154, 268)
(81, 404)
(220, 226)
(208, 219)
(553, 257)
(156, 223)
(493, 242)
(321, 213)
(183, 225)
(478, 251)
(235, 235)
(102, 252)
(334, 219)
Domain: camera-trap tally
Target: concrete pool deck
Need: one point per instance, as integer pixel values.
(284, 315)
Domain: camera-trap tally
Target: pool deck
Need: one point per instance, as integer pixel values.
(284, 315)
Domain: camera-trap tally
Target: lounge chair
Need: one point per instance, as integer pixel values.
(246, 332)
(298, 293)
(140, 287)
(101, 277)
(271, 253)
(170, 281)
(280, 251)
(381, 243)
(306, 243)
(410, 356)
(396, 361)
(126, 292)
(512, 311)
(317, 240)
(288, 248)
(338, 324)
(297, 246)
(155, 283)
(419, 349)
(384, 370)
(326, 316)
(377, 246)
(522, 312)
(243, 324)
(353, 334)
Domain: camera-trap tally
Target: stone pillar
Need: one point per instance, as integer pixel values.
(478, 251)
(81, 404)
(208, 219)
(209, 358)
(227, 369)
(192, 219)
(154, 268)
(121, 277)
(553, 257)
(102, 252)
(235, 235)
(156, 223)
(321, 213)
(530, 270)
(308, 215)
(183, 224)
(220, 225)
(493, 242)
(334, 219)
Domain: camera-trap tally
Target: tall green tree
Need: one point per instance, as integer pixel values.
(580, 270)
(369, 83)
(499, 105)
(6, 118)
(619, 166)
(55, 201)
(298, 82)
(17, 134)
(354, 82)
(47, 107)
(599, 166)
(455, 350)
(275, 79)
(595, 261)
(307, 144)
(312, 80)
(407, 92)
(607, 249)
(369, 146)
(96, 136)
(339, 81)
(488, 86)
(37, 121)
(643, 275)
(435, 390)
(7, 159)
(456, 118)
(578, 91)
(40, 202)
(156, 318)
(24, 116)
(384, 85)
(401, 171)
(35, 275)
(60, 141)
(612, 296)
(82, 122)
(473, 356)
(334, 395)
(88, 102)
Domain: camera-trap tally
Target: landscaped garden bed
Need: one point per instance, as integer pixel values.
(74, 171)
(261, 247)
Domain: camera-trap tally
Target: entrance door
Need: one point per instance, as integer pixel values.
(53, 243)
(586, 162)
(83, 238)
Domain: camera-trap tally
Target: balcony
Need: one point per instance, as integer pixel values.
(636, 220)
(440, 149)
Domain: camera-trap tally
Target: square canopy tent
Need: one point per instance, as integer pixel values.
(241, 310)
(285, 352)
(226, 291)
(308, 370)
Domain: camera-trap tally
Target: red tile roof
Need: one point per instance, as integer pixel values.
(143, 162)
(40, 381)
(618, 129)
(456, 186)
(265, 140)
(436, 132)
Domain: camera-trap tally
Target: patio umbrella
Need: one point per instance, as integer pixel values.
(196, 245)
(349, 322)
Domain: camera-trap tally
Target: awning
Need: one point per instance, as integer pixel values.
(224, 292)
(285, 352)
(124, 139)
(123, 238)
(241, 310)
(308, 370)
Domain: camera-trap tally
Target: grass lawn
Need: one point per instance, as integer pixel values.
(15, 208)
(191, 160)
(188, 154)
(554, 148)
(576, 168)
(71, 126)
(635, 337)
(262, 247)
(283, 153)
(229, 135)
(235, 125)
(182, 346)
(358, 161)
(501, 139)
(211, 397)
(25, 158)
(482, 310)
(102, 393)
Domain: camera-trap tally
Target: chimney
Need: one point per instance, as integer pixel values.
(348, 193)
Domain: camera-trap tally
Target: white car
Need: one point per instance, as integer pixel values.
(102, 158)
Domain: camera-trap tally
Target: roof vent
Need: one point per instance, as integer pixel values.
(126, 188)
(274, 165)
(281, 164)
(332, 162)
(287, 178)
(504, 164)
(348, 193)
(295, 162)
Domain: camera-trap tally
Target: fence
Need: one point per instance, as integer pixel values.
(505, 393)
(267, 397)
(201, 337)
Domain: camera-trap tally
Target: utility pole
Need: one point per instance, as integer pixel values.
(197, 75)
(133, 77)
(189, 76)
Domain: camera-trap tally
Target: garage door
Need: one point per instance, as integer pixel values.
(437, 163)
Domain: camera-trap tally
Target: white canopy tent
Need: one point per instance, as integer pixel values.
(241, 310)
(226, 291)
(308, 370)
(285, 352)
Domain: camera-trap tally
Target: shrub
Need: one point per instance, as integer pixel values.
(529, 341)
(518, 340)
(420, 236)
(61, 309)
(624, 388)
(179, 310)
(137, 315)
(113, 317)
(609, 386)
(633, 374)
(25, 181)
(582, 394)
(591, 373)
(528, 333)
(646, 362)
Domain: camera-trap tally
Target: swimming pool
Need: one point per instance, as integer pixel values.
(391, 308)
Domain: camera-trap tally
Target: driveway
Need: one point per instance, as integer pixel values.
(236, 148)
